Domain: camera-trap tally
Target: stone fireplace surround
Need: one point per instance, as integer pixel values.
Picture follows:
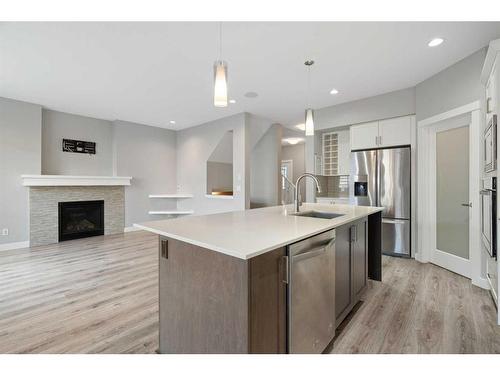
(46, 191)
(44, 202)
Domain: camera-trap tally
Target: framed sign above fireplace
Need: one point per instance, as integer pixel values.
(81, 147)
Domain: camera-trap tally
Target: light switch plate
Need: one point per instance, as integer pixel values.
(5, 231)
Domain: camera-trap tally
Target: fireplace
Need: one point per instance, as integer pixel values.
(80, 219)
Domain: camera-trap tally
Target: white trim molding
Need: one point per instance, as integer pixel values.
(489, 61)
(14, 245)
(426, 247)
(450, 114)
(62, 180)
(131, 229)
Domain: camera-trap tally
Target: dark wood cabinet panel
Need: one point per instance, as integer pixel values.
(360, 258)
(342, 271)
(351, 267)
(203, 301)
(215, 303)
(267, 303)
(375, 246)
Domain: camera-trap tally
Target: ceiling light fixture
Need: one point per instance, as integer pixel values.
(309, 116)
(232, 101)
(292, 141)
(172, 122)
(251, 94)
(220, 77)
(301, 127)
(435, 42)
(334, 91)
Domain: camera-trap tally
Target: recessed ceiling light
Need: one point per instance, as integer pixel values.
(232, 101)
(435, 42)
(301, 127)
(251, 94)
(334, 91)
(172, 122)
(292, 141)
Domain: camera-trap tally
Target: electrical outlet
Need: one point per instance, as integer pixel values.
(5, 231)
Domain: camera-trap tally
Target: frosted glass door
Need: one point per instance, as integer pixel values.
(452, 191)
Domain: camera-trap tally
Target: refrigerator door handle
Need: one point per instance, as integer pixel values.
(377, 176)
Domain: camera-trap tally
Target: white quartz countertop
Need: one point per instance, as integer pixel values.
(245, 234)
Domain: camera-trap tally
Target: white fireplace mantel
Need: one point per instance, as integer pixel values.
(62, 180)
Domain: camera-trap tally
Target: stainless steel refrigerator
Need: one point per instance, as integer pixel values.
(383, 178)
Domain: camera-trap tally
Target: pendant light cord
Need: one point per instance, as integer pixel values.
(220, 41)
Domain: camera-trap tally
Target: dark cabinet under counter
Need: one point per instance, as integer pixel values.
(211, 302)
(351, 266)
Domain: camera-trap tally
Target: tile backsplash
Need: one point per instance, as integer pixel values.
(334, 186)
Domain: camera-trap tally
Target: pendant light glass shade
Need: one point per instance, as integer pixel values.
(220, 84)
(309, 122)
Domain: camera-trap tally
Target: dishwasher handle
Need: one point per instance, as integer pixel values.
(315, 251)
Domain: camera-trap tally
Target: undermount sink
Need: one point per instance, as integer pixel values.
(318, 214)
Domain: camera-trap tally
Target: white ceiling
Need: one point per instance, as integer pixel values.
(152, 73)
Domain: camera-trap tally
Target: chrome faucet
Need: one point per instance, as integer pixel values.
(297, 201)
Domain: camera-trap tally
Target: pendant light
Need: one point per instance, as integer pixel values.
(309, 116)
(220, 77)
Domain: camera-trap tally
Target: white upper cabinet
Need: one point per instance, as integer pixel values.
(395, 131)
(384, 133)
(364, 135)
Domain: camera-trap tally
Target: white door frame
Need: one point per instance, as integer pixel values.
(427, 182)
(291, 167)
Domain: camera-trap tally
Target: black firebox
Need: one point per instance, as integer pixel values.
(80, 219)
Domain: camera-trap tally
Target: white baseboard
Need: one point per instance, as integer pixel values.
(131, 229)
(14, 245)
(481, 282)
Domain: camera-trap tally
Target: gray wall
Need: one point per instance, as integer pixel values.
(392, 104)
(453, 87)
(20, 153)
(59, 125)
(194, 147)
(265, 165)
(148, 155)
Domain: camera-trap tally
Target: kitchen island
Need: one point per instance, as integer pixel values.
(225, 278)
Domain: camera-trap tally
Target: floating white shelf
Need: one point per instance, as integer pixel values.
(171, 212)
(172, 196)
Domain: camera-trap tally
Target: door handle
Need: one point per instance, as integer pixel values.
(394, 221)
(284, 270)
(467, 204)
(354, 233)
(164, 248)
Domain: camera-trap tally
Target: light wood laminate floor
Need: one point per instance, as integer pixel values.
(100, 295)
(421, 308)
(95, 295)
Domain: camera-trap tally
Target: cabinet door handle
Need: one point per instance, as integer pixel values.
(284, 270)
(354, 233)
(164, 248)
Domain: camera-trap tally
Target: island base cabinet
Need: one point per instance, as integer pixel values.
(215, 303)
(351, 267)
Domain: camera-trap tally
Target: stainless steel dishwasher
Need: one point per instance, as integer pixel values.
(311, 293)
